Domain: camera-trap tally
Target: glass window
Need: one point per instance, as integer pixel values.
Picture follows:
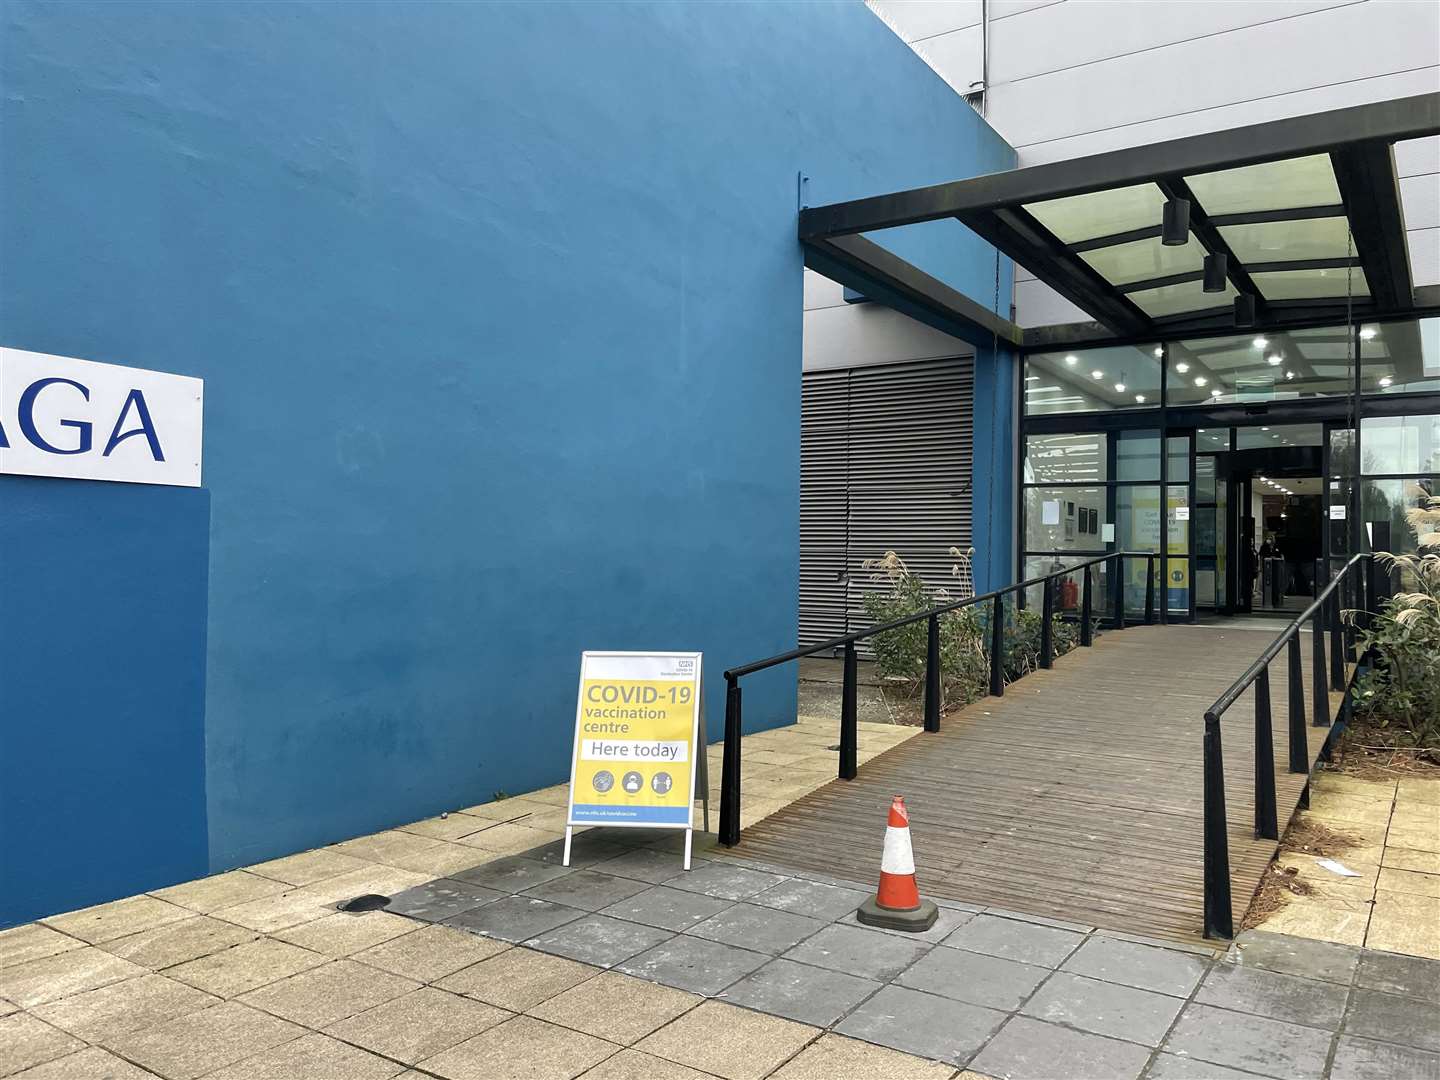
(1204, 478)
(1092, 380)
(1177, 532)
(1388, 519)
(1272, 435)
(1261, 367)
(1311, 284)
(1183, 296)
(1062, 459)
(1137, 456)
(1342, 452)
(1399, 444)
(1212, 439)
(1064, 518)
(1275, 185)
(1100, 213)
(1068, 592)
(1288, 241)
(1400, 357)
(1141, 260)
(1137, 517)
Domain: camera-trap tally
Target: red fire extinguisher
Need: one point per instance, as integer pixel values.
(1069, 594)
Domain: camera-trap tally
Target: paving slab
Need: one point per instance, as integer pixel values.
(1289, 955)
(49, 978)
(231, 972)
(308, 867)
(1252, 1043)
(923, 1024)
(648, 864)
(33, 941)
(948, 920)
(635, 1065)
(92, 1063)
(586, 849)
(514, 1050)
(1413, 976)
(27, 1040)
(974, 978)
(1129, 963)
(511, 874)
(205, 1041)
(120, 918)
(1010, 939)
(811, 898)
(514, 918)
(431, 953)
(312, 1056)
(327, 994)
(344, 933)
(220, 890)
(125, 1006)
(832, 1057)
(418, 1025)
(729, 1042)
(1393, 1018)
(693, 964)
(859, 951)
(175, 943)
(518, 979)
(1272, 994)
(666, 908)
(1366, 1059)
(800, 992)
(1175, 1067)
(440, 899)
(762, 929)
(616, 1007)
(588, 890)
(1102, 1008)
(725, 881)
(1029, 1049)
(599, 940)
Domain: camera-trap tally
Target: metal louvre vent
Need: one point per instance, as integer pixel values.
(885, 464)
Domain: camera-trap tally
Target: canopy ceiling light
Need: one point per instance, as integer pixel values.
(1245, 310)
(1175, 227)
(1216, 268)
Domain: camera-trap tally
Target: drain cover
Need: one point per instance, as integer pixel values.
(368, 902)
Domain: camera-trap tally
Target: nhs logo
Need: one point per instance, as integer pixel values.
(86, 421)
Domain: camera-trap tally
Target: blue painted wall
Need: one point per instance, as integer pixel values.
(499, 311)
(102, 677)
(993, 492)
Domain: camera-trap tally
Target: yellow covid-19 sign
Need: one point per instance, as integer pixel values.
(636, 733)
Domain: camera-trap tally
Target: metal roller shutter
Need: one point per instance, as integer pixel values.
(885, 464)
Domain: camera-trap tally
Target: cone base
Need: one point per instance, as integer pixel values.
(917, 921)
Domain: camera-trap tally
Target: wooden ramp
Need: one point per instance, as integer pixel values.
(1076, 795)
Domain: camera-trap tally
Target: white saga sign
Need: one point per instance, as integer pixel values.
(87, 421)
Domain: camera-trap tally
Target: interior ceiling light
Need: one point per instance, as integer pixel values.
(1260, 342)
(1385, 380)
(1182, 367)
(1216, 392)
(1140, 399)
(1264, 429)
(1097, 374)
(1274, 359)
(1175, 223)
(1216, 266)
(1367, 333)
(1072, 360)
(1119, 388)
(1289, 374)
(1244, 310)
(1200, 380)
(1159, 351)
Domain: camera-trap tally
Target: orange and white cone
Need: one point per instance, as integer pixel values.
(897, 904)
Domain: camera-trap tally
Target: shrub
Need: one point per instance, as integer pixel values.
(1400, 696)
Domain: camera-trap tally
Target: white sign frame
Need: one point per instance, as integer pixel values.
(699, 758)
(52, 406)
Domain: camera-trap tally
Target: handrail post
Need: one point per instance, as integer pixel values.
(997, 646)
(1047, 630)
(1353, 580)
(1319, 683)
(849, 733)
(1086, 633)
(1295, 697)
(1120, 592)
(932, 674)
(1266, 827)
(1149, 590)
(1219, 918)
(730, 769)
(1337, 643)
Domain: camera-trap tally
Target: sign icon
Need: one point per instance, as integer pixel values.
(603, 781)
(661, 783)
(632, 783)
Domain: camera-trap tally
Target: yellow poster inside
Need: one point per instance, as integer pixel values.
(635, 735)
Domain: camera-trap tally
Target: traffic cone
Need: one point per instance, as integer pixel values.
(896, 905)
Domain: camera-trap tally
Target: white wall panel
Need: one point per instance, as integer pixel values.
(855, 335)
(1420, 198)
(1036, 304)
(1416, 156)
(820, 291)
(1425, 256)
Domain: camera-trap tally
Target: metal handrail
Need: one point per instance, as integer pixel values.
(849, 735)
(1324, 615)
